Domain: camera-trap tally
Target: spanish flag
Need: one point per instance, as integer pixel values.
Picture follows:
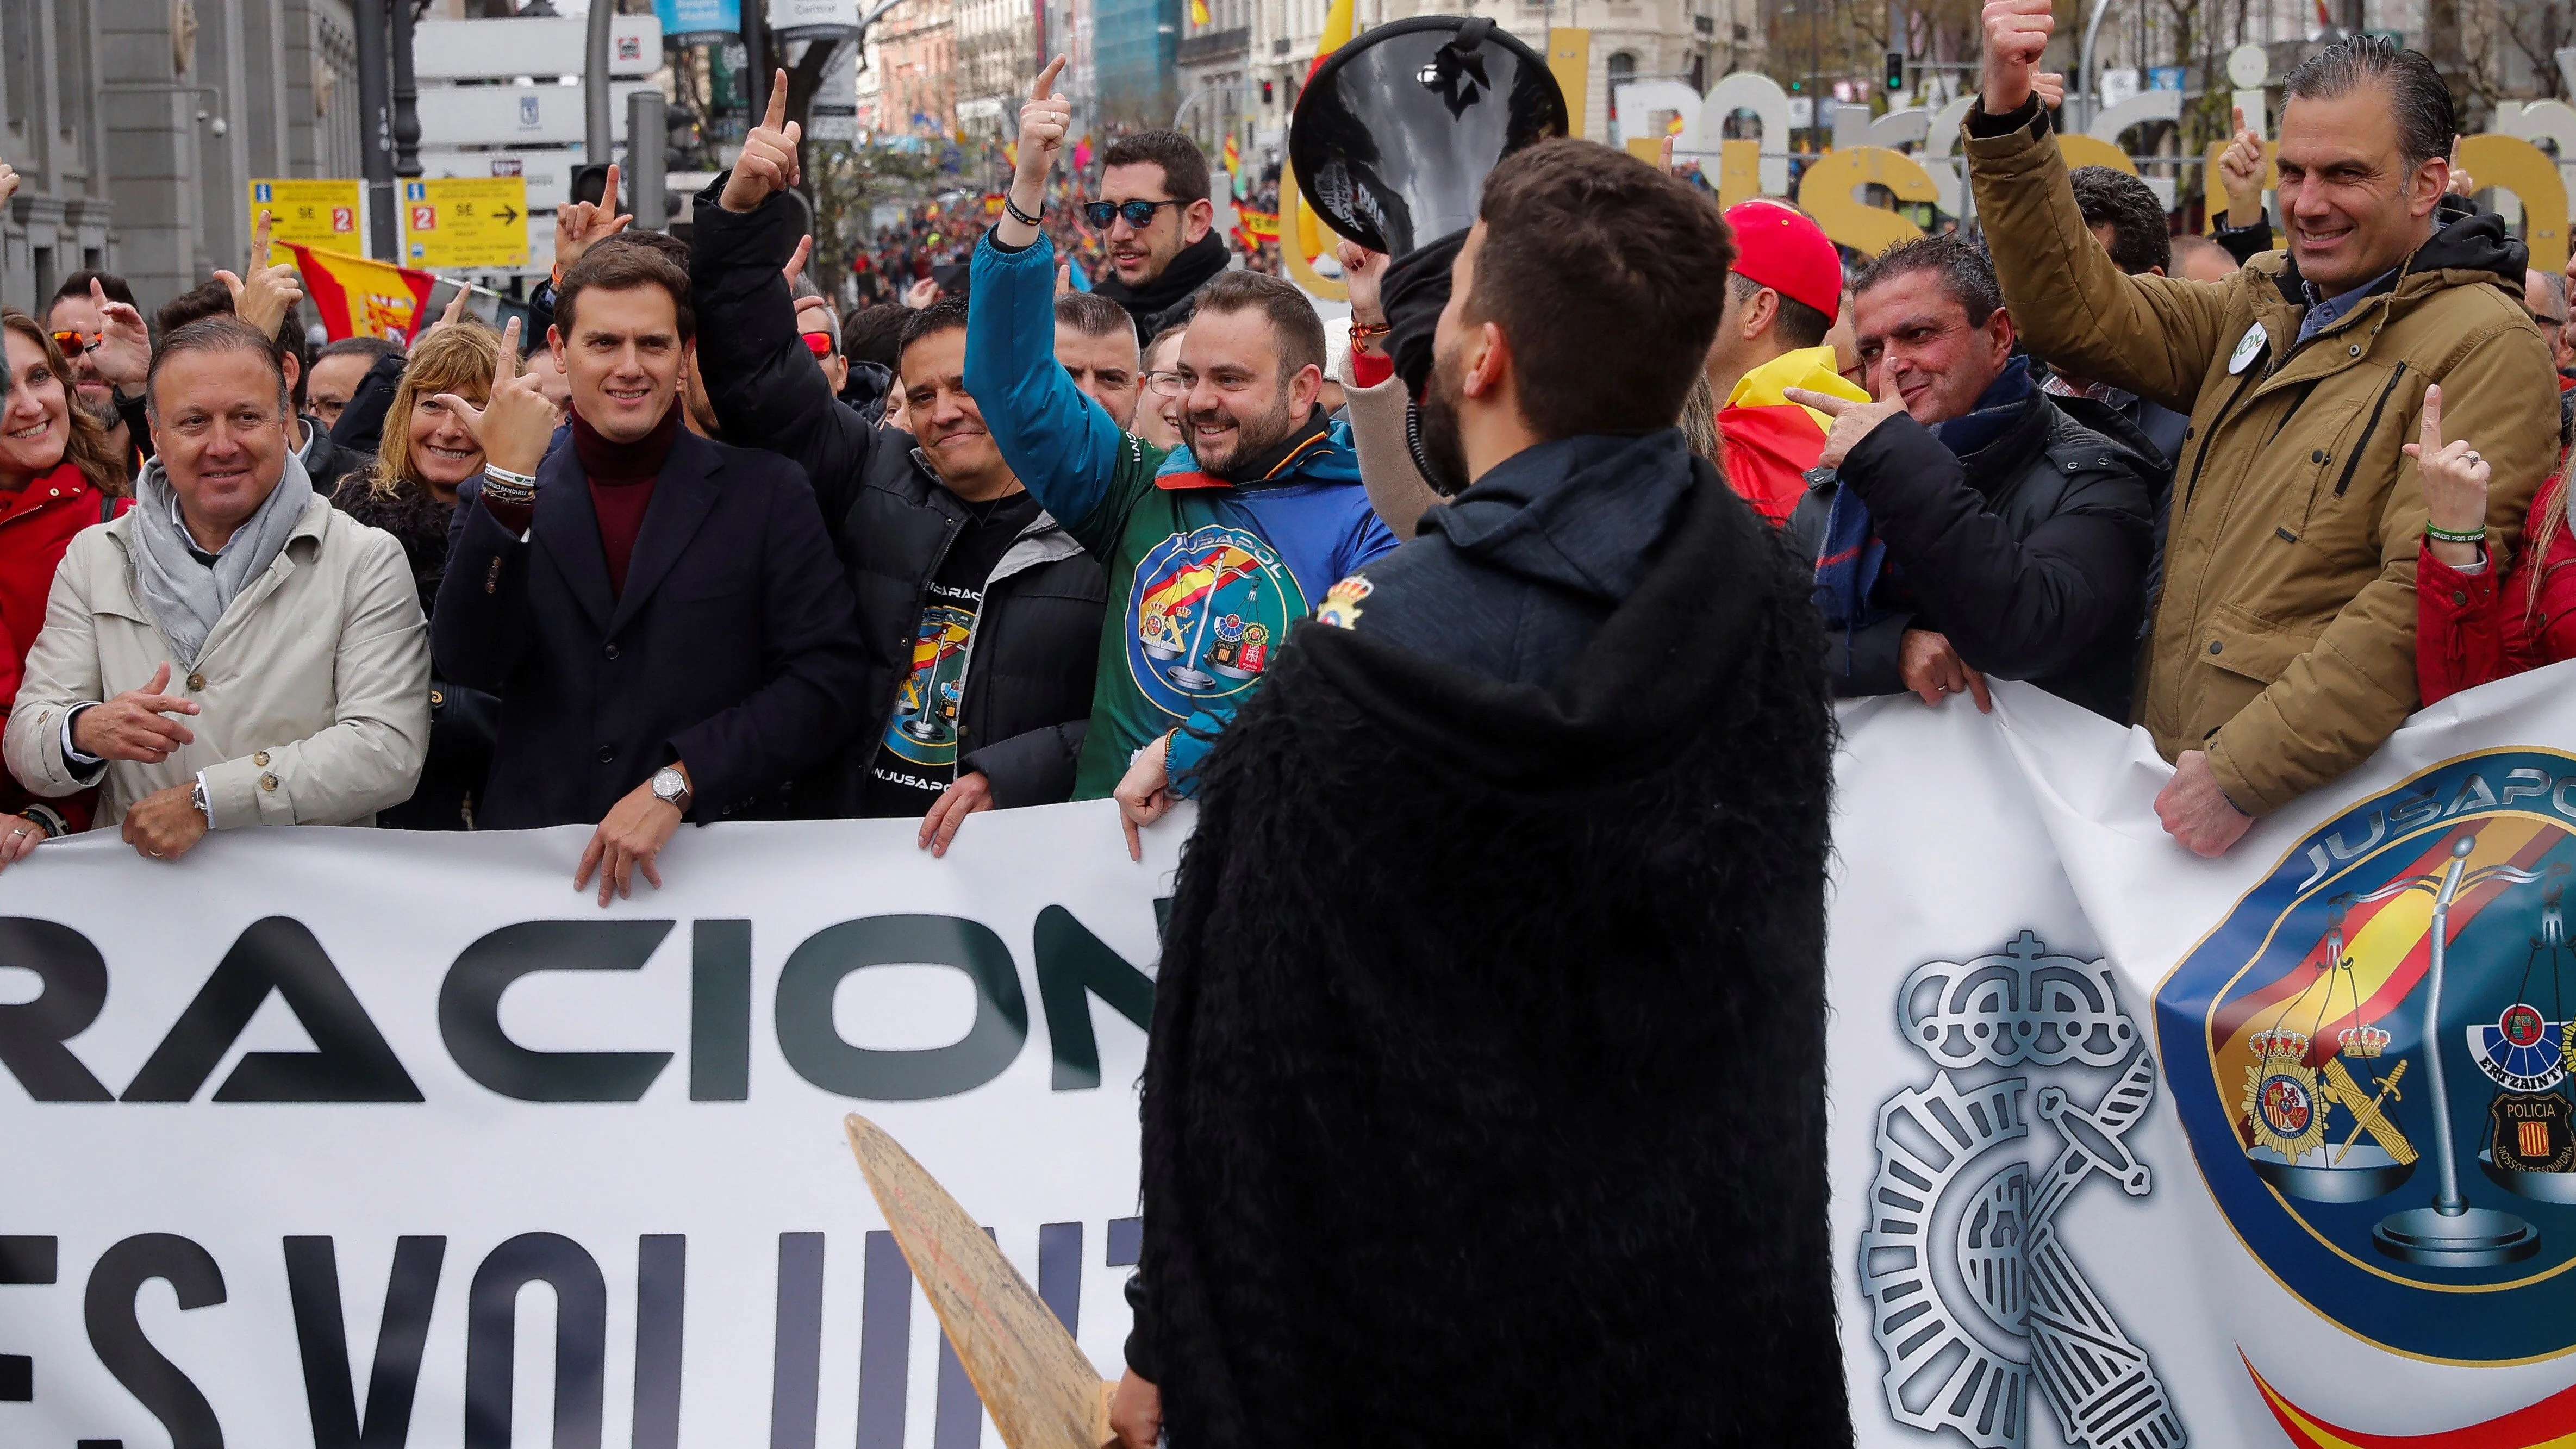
(1198, 12)
(1233, 156)
(360, 297)
(1339, 22)
(1769, 442)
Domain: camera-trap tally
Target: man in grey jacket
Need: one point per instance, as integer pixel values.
(233, 651)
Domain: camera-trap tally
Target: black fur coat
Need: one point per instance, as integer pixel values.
(1485, 1103)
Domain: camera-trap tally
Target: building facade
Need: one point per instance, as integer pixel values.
(1135, 47)
(138, 125)
(1215, 58)
(912, 55)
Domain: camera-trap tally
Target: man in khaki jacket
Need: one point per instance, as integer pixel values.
(2284, 636)
(234, 650)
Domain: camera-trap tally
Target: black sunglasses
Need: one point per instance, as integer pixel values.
(1139, 214)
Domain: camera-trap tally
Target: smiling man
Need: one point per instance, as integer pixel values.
(659, 613)
(1212, 551)
(1964, 524)
(978, 612)
(233, 650)
(2283, 644)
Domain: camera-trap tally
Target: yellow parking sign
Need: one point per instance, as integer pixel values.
(465, 222)
(310, 213)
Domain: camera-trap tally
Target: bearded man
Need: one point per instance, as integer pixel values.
(1212, 551)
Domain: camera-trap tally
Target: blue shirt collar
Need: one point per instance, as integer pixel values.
(2324, 312)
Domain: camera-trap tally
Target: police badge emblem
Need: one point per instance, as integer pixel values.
(1975, 1296)
(1341, 606)
(2281, 1098)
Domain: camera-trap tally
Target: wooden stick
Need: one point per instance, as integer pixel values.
(1033, 1378)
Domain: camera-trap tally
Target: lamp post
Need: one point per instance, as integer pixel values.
(2450, 1233)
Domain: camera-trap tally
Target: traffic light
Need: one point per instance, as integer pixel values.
(1896, 70)
(590, 183)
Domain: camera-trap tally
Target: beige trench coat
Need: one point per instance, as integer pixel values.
(313, 688)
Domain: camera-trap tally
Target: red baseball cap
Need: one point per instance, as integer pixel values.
(1782, 249)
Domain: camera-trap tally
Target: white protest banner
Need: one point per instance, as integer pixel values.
(2134, 1150)
(369, 1087)
(2130, 1150)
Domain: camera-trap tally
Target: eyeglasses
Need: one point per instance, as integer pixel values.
(74, 344)
(820, 344)
(1165, 384)
(1139, 214)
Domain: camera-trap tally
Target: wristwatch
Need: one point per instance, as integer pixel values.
(197, 797)
(671, 787)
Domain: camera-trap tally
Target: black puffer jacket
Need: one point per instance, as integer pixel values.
(1027, 703)
(2029, 554)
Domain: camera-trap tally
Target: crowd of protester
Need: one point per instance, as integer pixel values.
(983, 540)
(1014, 531)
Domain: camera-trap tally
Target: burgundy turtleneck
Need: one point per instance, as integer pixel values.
(621, 487)
(621, 484)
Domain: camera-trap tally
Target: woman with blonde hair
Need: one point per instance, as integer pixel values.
(59, 474)
(2476, 622)
(426, 453)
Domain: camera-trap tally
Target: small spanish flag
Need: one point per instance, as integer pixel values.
(1233, 156)
(1673, 127)
(1198, 12)
(360, 297)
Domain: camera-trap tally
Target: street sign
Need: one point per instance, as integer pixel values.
(464, 222)
(510, 115)
(311, 213)
(479, 50)
(548, 173)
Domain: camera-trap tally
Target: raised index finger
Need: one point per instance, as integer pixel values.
(777, 103)
(259, 247)
(1045, 86)
(2433, 419)
(608, 191)
(507, 366)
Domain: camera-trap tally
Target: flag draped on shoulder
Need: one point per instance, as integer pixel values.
(1769, 442)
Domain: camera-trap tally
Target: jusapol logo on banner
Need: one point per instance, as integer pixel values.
(2370, 1054)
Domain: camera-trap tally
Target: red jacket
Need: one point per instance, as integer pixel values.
(2472, 629)
(36, 524)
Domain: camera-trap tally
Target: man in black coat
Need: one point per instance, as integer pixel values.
(1485, 1097)
(1155, 212)
(980, 617)
(1963, 525)
(660, 614)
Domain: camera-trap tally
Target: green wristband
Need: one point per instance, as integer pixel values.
(2445, 535)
